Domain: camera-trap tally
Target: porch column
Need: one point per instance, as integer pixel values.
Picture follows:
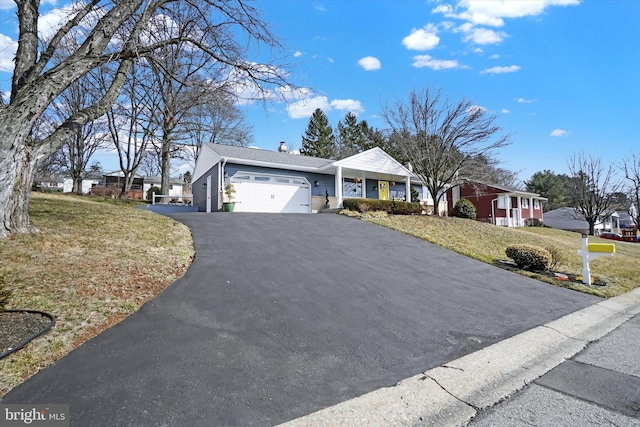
(508, 209)
(407, 186)
(339, 186)
(364, 188)
(531, 207)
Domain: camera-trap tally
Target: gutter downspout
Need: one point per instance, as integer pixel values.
(223, 163)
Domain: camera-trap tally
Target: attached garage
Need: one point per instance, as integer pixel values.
(256, 192)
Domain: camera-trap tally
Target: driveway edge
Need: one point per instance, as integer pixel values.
(451, 394)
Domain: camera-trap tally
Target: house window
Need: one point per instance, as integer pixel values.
(351, 188)
(536, 204)
(525, 203)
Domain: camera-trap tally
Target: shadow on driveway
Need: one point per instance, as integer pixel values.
(282, 315)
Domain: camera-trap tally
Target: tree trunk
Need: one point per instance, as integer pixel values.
(17, 170)
(166, 165)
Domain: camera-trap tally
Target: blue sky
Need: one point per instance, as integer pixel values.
(562, 75)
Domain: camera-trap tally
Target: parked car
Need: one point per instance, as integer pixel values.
(612, 236)
(620, 237)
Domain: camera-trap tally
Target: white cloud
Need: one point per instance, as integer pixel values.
(51, 21)
(501, 70)
(493, 13)
(425, 38)
(494, 56)
(369, 63)
(8, 49)
(305, 107)
(505, 111)
(297, 53)
(289, 93)
(483, 35)
(7, 4)
(349, 105)
(476, 110)
(422, 61)
(559, 132)
(320, 8)
(525, 101)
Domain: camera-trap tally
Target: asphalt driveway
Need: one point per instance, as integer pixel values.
(282, 315)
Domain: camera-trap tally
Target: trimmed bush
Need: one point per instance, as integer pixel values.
(152, 190)
(388, 206)
(464, 209)
(533, 222)
(529, 257)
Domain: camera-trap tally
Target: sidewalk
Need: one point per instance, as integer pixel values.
(583, 368)
(599, 386)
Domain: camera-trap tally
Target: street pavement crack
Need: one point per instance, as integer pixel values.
(451, 394)
(565, 335)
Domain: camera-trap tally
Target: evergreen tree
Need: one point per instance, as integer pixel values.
(552, 186)
(352, 138)
(318, 140)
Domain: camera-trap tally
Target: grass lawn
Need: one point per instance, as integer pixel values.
(94, 262)
(488, 243)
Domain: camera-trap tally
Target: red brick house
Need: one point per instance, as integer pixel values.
(498, 205)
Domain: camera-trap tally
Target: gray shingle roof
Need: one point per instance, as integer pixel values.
(266, 156)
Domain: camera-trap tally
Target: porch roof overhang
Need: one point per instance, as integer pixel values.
(373, 164)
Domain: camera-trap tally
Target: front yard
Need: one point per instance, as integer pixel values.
(488, 243)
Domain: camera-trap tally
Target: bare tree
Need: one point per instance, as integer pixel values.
(129, 120)
(593, 185)
(631, 169)
(75, 153)
(149, 164)
(441, 138)
(114, 34)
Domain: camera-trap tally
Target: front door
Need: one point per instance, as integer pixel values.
(383, 190)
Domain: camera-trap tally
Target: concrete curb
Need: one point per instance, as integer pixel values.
(451, 394)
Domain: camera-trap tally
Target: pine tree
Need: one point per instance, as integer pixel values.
(318, 140)
(352, 136)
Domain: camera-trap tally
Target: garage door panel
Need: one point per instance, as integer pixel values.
(271, 194)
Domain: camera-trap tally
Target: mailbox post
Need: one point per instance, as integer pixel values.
(591, 251)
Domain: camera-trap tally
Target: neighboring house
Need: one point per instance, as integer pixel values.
(113, 183)
(568, 219)
(498, 205)
(270, 181)
(49, 183)
(88, 182)
(177, 187)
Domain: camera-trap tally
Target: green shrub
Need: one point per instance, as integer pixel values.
(152, 190)
(388, 206)
(533, 222)
(464, 209)
(529, 257)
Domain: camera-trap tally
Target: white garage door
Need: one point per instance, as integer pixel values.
(257, 192)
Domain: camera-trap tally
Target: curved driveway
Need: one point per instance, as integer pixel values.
(282, 315)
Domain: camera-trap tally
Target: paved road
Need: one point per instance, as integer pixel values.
(282, 315)
(599, 386)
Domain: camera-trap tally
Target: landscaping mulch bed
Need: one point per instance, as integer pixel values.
(20, 326)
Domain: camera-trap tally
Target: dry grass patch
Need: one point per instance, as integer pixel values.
(488, 243)
(94, 262)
